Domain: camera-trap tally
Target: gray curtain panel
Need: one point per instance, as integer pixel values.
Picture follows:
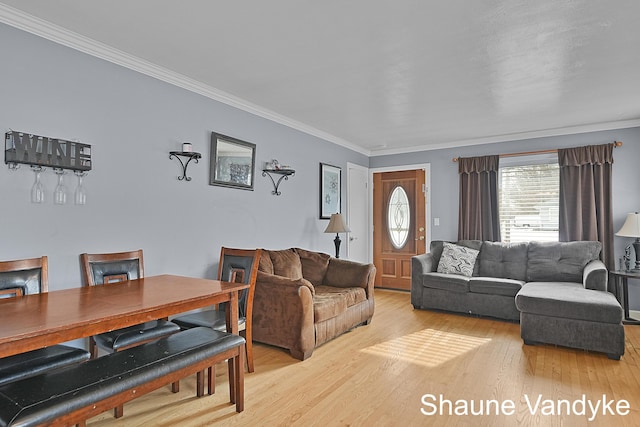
(586, 211)
(478, 208)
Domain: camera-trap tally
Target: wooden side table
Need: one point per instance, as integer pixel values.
(621, 277)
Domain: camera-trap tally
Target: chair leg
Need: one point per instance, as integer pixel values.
(93, 348)
(249, 347)
(200, 384)
(211, 385)
(239, 380)
(175, 387)
(118, 411)
(231, 363)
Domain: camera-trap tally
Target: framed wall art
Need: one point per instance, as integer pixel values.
(330, 190)
(233, 162)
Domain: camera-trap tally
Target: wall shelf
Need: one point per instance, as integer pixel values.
(283, 174)
(189, 155)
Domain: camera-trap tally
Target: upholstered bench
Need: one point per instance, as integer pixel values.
(35, 362)
(73, 394)
(567, 314)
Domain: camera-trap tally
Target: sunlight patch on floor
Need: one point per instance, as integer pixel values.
(428, 347)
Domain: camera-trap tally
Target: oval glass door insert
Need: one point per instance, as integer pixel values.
(398, 217)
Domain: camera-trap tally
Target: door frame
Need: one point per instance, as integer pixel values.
(427, 199)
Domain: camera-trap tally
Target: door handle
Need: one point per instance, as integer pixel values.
(420, 238)
(421, 229)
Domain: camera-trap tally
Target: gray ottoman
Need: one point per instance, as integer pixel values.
(567, 314)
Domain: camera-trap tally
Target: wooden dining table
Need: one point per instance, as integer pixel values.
(35, 321)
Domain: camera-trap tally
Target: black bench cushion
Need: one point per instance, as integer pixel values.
(32, 363)
(132, 335)
(45, 397)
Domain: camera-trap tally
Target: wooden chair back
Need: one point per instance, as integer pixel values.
(98, 269)
(24, 276)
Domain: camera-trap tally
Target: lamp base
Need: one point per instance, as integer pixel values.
(337, 242)
(636, 248)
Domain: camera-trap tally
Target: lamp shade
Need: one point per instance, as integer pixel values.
(336, 224)
(631, 227)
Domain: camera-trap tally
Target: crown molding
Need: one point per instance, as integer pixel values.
(50, 31)
(570, 130)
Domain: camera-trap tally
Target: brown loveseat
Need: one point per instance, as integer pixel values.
(304, 299)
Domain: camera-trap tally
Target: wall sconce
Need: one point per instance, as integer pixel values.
(337, 225)
(275, 168)
(187, 153)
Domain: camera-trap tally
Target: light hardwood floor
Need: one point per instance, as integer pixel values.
(377, 375)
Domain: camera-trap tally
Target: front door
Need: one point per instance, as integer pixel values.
(398, 225)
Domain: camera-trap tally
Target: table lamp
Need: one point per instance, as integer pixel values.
(337, 225)
(631, 228)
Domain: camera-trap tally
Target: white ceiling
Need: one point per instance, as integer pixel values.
(378, 76)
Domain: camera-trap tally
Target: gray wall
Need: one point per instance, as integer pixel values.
(444, 178)
(134, 197)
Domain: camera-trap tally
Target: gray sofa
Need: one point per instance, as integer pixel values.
(557, 290)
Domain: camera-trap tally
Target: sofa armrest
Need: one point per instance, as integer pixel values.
(343, 273)
(595, 276)
(422, 263)
(283, 313)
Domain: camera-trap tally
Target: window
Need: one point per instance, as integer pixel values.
(398, 217)
(528, 202)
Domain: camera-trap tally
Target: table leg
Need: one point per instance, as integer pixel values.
(628, 320)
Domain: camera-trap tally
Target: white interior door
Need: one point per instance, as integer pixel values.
(358, 213)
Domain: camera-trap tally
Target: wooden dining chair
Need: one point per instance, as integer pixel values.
(236, 265)
(25, 277)
(103, 269)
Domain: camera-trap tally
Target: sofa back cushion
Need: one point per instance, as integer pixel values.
(314, 265)
(286, 263)
(503, 260)
(560, 261)
(265, 264)
(345, 273)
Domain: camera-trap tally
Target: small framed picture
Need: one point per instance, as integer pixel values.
(330, 190)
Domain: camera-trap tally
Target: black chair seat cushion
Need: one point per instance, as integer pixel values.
(32, 363)
(132, 335)
(42, 399)
(215, 319)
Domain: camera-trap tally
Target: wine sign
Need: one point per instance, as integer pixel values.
(44, 151)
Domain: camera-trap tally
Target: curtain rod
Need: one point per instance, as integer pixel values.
(529, 153)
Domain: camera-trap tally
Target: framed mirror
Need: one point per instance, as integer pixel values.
(233, 162)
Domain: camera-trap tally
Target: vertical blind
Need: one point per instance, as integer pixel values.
(528, 202)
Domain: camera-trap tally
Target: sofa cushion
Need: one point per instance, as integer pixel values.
(560, 261)
(265, 264)
(495, 286)
(328, 305)
(314, 265)
(353, 296)
(286, 263)
(457, 259)
(346, 274)
(447, 282)
(506, 260)
(568, 300)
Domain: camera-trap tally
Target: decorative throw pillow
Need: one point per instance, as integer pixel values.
(457, 260)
